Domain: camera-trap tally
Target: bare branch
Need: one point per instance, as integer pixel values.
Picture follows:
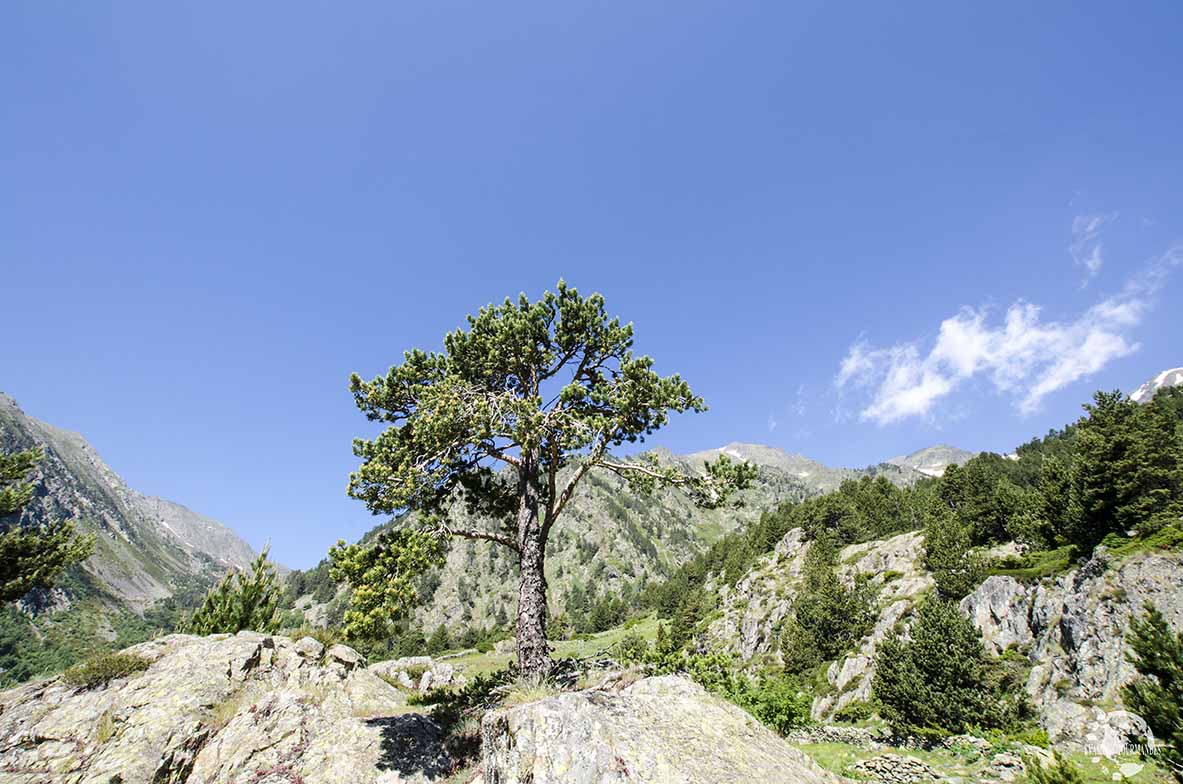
(592, 459)
(468, 533)
(622, 469)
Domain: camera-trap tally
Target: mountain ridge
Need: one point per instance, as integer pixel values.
(145, 546)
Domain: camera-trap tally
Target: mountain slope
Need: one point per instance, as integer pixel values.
(1167, 378)
(609, 540)
(153, 558)
(612, 540)
(145, 547)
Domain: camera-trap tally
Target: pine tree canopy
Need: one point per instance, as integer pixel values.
(517, 409)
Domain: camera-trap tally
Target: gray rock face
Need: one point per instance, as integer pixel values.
(999, 608)
(219, 709)
(756, 609)
(656, 731)
(1075, 628)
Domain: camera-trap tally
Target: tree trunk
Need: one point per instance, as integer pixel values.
(533, 649)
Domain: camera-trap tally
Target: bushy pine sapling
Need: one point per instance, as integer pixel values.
(240, 601)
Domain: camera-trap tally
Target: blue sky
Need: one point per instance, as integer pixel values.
(856, 231)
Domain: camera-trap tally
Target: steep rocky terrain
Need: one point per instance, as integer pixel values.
(753, 613)
(145, 546)
(146, 550)
(1070, 628)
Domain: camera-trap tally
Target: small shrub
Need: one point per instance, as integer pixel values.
(222, 713)
(104, 668)
(105, 729)
(240, 601)
(855, 712)
(328, 637)
(523, 691)
(779, 703)
(1063, 772)
(1036, 736)
(632, 648)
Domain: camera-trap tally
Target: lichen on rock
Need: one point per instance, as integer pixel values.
(656, 731)
(248, 707)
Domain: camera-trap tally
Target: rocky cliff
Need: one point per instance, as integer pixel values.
(1070, 628)
(1073, 629)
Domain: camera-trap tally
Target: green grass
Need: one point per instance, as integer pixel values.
(104, 668)
(1168, 538)
(484, 663)
(1034, 565)
(839, 757)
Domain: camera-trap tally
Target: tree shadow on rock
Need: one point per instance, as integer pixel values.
(413, 744)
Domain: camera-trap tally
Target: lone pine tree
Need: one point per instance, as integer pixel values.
(527, 390)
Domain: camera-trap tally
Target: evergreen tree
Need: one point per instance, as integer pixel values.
(828, 618)
(1129, 469)
(1157, 696)
(535, 388)
(936, 682)
(955, 568)
(982, 496)
(240, 600)
(439, 641)
(388, 575)
(32, 556)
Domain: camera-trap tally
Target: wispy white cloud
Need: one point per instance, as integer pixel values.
(771, 423)
(1085, 247)
(798, 406)
(1021, 355)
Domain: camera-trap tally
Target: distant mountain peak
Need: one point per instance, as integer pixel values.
(933, 460)
(1167, 378)
(813, 474)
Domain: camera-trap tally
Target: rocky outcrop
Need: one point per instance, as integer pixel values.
(655, 731)
(1073, 630)
(418, 673)
(754, 612)
(223, 708)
